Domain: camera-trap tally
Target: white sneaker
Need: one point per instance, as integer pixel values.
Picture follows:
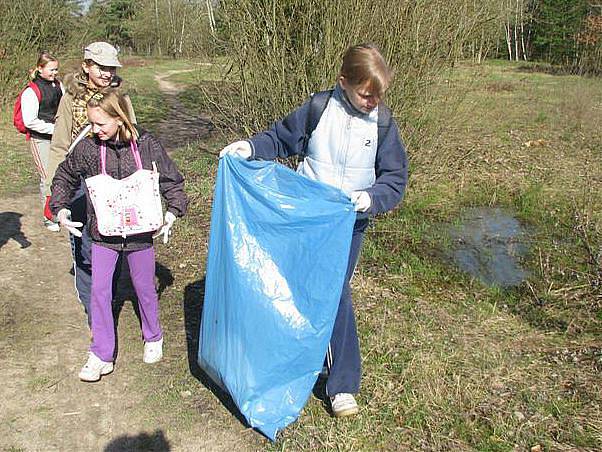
(95, 368)
(52, 226)
(343, 404)
(153, 351)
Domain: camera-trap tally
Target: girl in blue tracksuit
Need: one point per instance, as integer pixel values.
(357, 151)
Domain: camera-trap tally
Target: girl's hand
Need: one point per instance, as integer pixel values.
(361, 200)
(64, 219)
(165, 231)
(240, 149)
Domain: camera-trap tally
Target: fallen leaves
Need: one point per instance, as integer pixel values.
(535, 143)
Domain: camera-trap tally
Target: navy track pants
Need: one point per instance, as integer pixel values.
(343, 358)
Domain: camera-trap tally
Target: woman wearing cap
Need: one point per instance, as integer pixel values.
(97, 73)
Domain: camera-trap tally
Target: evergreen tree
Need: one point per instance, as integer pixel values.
(112, 21)
(557, 25)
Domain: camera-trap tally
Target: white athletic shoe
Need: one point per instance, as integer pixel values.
(95, 368)
(153, 351)
(343, 404)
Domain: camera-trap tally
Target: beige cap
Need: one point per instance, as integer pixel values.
(102, 53)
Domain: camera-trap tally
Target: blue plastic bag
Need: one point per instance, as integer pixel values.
(278, 250)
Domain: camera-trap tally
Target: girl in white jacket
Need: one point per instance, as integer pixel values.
(39, 111)
(354, 146)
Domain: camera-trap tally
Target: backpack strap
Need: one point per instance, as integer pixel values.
(383, 122)
(80, 137)
(36, 89)
(317, 105)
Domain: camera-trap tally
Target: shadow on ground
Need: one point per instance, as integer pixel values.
(193, 311)
(124, 291)
(544, 69)
(180, 127)
(10, 228)
(152, 442)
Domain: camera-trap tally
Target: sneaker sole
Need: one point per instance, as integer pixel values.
(102, 373)
(152, 361)
(346, 412)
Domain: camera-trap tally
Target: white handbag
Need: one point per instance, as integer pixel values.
(127, 206)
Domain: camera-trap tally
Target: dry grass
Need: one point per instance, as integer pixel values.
(17, 170)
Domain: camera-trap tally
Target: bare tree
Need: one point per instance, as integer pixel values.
(517, 27)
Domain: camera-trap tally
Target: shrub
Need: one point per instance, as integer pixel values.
(282, 50)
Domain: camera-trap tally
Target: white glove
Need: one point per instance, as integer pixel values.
(362, 200)
(64, 219)
(240, 149)
(165, 230)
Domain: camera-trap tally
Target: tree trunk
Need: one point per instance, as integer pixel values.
(522, 31)
(157, 27)
(516, 56)
(509, 40)
(182, 35)
(210, 15)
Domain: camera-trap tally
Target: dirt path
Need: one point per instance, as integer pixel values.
(180, 127)
(43, 342)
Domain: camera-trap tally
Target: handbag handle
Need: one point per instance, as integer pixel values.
(103, 156)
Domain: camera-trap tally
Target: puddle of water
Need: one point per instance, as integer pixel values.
(489, 244)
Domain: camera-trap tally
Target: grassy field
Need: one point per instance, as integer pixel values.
(449, 363)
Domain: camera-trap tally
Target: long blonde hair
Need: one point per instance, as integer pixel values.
(44, 58)
(114, 103)
(364, 63)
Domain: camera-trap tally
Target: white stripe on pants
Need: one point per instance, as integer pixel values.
(40, 151)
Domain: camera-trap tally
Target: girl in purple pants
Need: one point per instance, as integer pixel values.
(118, 149)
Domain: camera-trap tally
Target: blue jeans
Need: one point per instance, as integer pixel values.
(81, 250)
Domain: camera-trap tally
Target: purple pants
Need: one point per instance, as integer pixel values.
(142, 272)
